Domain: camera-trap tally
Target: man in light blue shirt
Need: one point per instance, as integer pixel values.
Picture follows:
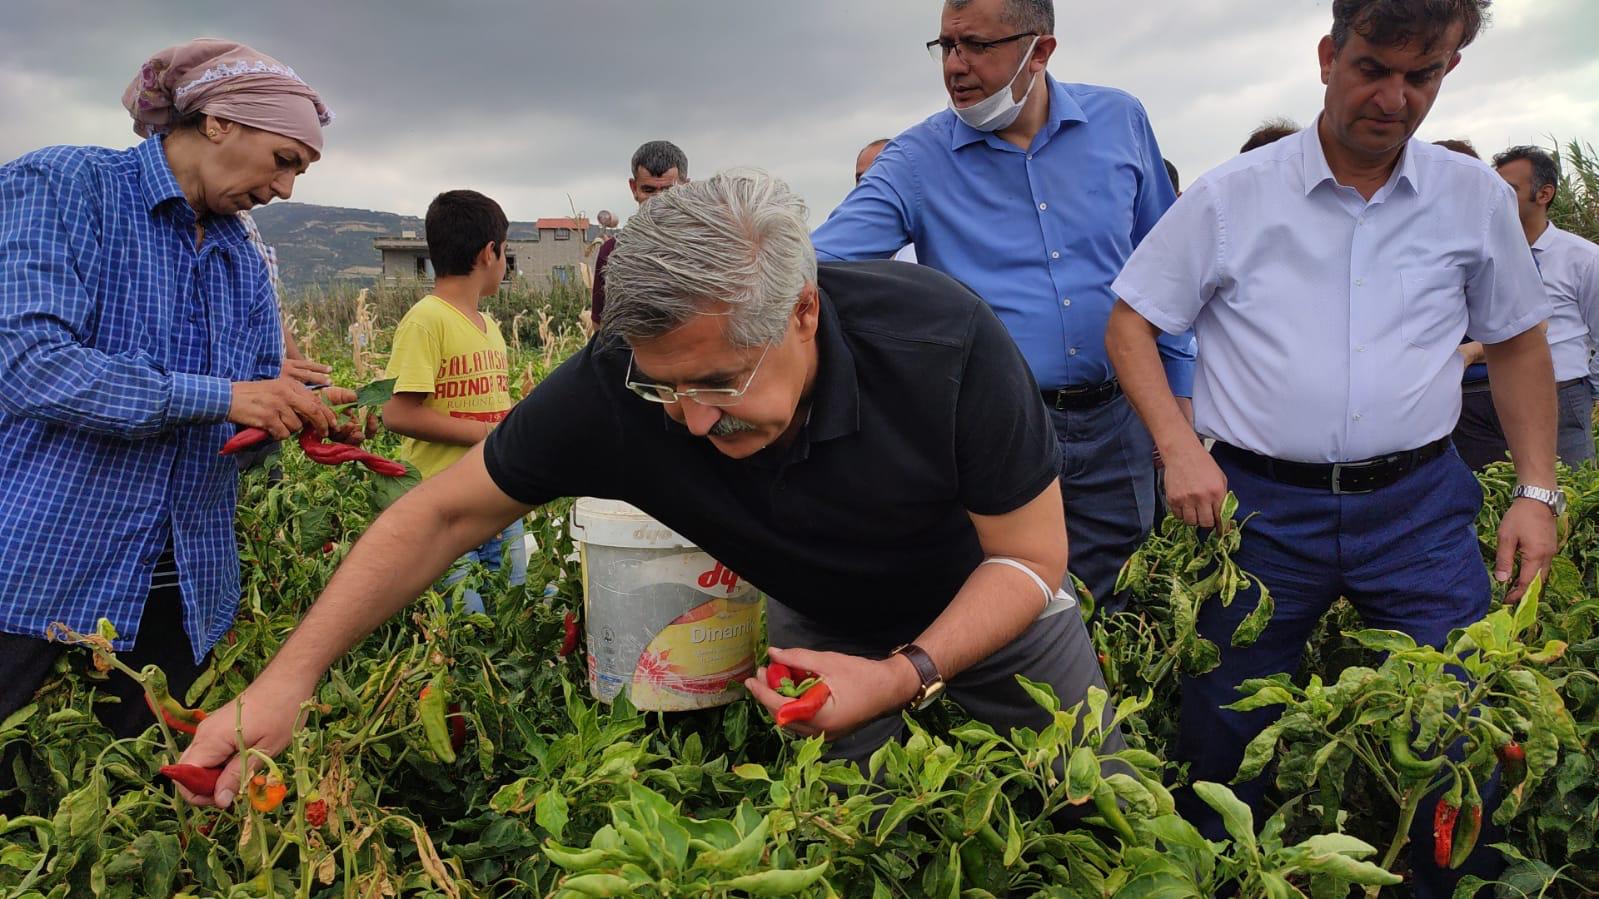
(1330, 278)
(1034, 193)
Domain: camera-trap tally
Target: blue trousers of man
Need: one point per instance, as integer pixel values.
(1405, 555)
(1107, 479)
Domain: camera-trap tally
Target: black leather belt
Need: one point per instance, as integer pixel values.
(1336, 477)
(1483, 384)
(1086, 396)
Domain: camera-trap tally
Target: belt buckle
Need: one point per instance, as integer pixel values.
(1338, 477)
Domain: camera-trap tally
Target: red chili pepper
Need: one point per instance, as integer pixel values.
(316, 812)
(1443, 831)
(197, 780)
(386, 467)
(1514, 758)
(805, 707)
(569, 639)
(776, 673)
(318, 450)
(246, 438)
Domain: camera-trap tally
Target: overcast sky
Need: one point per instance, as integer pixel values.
(534, 101)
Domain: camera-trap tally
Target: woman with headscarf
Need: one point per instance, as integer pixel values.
(138, 328)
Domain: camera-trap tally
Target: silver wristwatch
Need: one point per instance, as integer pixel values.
(1555, 499)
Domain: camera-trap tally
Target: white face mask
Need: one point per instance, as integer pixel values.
(997, 112)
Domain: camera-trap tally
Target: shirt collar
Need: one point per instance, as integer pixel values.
(1063, 109)
(1313, 160)
(836, 395)
(1546, 239)
(160, 188)
(155, 174)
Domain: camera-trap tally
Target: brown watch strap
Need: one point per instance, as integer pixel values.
(926, 669)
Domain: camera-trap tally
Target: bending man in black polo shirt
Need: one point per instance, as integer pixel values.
(862, 441)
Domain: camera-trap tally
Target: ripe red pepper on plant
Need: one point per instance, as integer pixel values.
(1514, 759)
(570, 635)
(316, 811)
(1443, 831)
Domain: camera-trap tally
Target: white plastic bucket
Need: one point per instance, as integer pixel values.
(666, 621)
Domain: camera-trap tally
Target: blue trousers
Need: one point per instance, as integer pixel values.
(1406, 556)
(506, 545)
(1107, 479)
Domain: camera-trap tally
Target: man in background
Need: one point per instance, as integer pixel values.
(658, 165)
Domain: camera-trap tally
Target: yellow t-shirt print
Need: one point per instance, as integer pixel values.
(440, 352)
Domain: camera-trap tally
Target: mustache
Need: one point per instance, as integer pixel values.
(727, 426)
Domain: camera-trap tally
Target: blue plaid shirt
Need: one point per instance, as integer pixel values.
(118, 343)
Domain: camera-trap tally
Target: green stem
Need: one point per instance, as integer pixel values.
(1407, 815)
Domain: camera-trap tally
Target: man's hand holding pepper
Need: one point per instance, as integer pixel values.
(280, 406)
(861, 689)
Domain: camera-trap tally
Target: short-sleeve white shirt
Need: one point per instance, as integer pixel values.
(1569, 266)
(1327, 324)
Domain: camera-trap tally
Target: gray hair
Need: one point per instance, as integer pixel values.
(1036, 16)
(738, 239)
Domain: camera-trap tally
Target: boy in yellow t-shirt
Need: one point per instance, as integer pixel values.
(452, 378)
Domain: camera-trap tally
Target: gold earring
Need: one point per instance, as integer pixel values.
(212, 132)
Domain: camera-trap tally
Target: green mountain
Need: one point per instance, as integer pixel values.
(322, 244)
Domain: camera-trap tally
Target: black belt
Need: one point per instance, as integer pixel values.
(1086, 396)
(1336, 477)
(1482, 384)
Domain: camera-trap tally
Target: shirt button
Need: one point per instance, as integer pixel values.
(1072, 351)
(1029, 157)
(1042, 206)
(1055, 255)
(1066, 302)
(1357, 416)
(1360, 282)
(1360, 349)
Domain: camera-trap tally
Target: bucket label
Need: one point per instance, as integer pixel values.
(674, 627)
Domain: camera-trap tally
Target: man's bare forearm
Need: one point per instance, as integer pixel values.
(1524, 396)
(400, 555)
(1130, 343)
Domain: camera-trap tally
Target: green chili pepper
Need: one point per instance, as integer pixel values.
(434, 707)
(1404, 759)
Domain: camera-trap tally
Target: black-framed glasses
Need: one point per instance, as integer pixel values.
(967, 48)
(705, 396)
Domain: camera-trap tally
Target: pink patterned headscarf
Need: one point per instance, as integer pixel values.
(227, 80)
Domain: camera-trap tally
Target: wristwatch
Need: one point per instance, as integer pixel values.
(932, 681)
(1555, 499)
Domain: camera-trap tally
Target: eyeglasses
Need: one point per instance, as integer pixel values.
(705, 396)
(968, 49)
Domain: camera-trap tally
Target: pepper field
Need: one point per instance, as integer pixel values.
(535, 790)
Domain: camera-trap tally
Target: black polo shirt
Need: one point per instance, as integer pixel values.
(922, 410)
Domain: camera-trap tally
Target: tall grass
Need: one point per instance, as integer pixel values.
(1576, 206)
(321, 316)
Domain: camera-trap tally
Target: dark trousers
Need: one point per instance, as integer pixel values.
(1406, 556)
(1055, 650)
(1481, 439)
(25, 664)
(1107, 480)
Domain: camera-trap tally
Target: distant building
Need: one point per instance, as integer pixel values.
(545, 253)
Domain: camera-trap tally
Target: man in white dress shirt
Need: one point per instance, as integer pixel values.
(1569, 267)
(1329, 278)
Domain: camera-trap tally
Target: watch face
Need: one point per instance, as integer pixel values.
(930, 694)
